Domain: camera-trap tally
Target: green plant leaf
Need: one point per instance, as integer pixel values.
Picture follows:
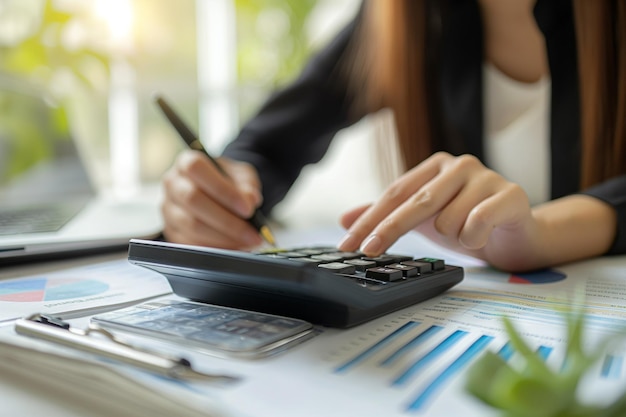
(536, 390)
(534, 363)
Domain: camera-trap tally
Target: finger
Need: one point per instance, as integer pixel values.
(206, 216)
(245, 178)
(349, 217)
(181, 228)
(449, 222)
(396, 194)
(507, 208)
(347, 242)
(202, 171)
(429, 200)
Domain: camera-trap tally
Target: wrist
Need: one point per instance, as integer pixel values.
(573, 228)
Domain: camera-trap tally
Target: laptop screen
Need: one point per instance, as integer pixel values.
(39, 162)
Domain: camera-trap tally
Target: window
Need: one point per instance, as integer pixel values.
(215, 60)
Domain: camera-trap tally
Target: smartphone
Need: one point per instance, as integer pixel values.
(216, 330)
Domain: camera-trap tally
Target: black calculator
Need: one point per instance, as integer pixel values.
(318, 284)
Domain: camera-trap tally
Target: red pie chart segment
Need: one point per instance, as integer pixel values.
(545, 276)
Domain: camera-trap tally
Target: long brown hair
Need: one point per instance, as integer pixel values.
(601, 34)
(391, 56)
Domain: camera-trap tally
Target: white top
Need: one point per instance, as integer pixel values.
(517, 124)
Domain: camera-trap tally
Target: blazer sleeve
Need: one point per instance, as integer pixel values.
(296, 125)
(613, 192)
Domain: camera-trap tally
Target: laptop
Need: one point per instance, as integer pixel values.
(49, 207)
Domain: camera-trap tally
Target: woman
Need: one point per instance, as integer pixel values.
(457, 75)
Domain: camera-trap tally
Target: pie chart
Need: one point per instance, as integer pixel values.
(544, 276)
(49, 289)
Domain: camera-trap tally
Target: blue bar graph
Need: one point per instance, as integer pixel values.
(423, 397)
(377, 346)
(429, 357)
(411, 345)
(544, 352)
(506, 351)
(612, 367)
(426, 346)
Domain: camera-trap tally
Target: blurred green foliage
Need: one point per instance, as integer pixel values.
(43, 51)
(23, 125)
(536, 390)
(30, 64)
(273, 42)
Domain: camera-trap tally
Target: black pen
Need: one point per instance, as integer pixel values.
(257, 220)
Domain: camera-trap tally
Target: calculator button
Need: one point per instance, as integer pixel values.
(327, 257)
(310, 261)
(397, 258)
(309, 252)
(422, 267)
(407, 271)
(291, 254)
(384, 274)
(315, 251)
(339, 268)
(380, 260)
(347, 255)
(438, 264)
(361, 264)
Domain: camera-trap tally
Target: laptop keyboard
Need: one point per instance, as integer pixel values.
(35, 219)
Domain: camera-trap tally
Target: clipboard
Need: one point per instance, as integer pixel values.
(53, 330)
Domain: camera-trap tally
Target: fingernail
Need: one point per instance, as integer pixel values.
(371, 245)
(348, 242)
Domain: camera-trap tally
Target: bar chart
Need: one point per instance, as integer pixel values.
(415, 350)
(420, 358)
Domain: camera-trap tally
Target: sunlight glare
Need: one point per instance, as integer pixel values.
(118, 15)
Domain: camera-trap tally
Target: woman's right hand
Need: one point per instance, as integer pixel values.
(203, 207)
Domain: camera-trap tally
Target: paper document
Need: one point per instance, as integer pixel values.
(79, 291)
(99, 389)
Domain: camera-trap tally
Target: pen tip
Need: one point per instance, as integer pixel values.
(267, 235)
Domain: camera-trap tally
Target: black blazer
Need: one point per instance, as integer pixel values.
(296, 125)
